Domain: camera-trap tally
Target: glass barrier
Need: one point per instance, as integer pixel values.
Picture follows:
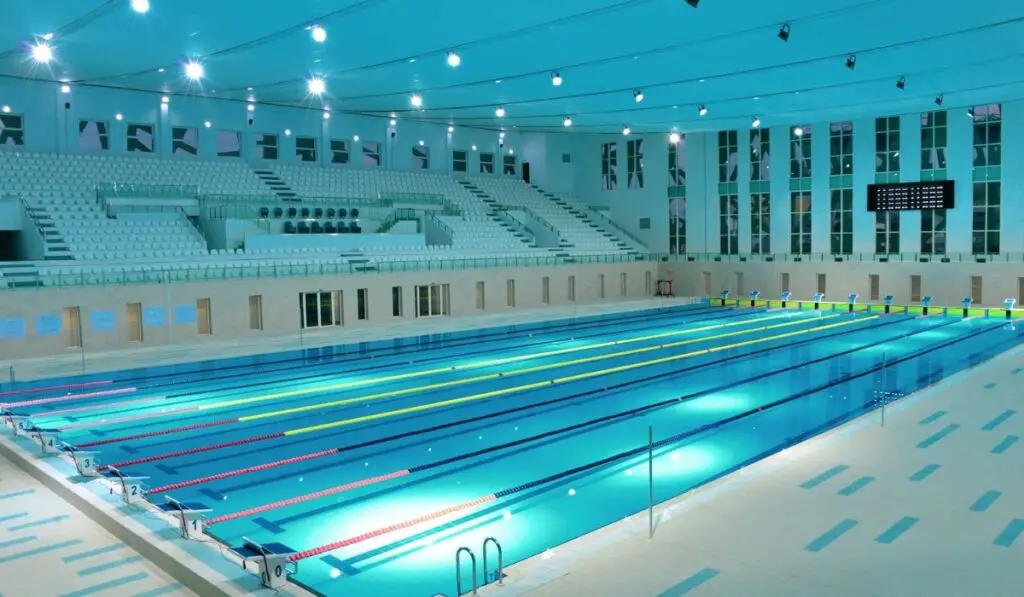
(855, 257)
(276, 201)
(117, 189)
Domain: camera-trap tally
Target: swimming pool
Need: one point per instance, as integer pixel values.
(378, 461)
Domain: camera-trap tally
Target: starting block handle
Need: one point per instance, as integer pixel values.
(131, 488)
(192, 526)
(49, 441)
(20, 424)
(86, 463)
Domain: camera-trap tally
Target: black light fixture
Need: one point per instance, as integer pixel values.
(970, 113)
(693, 3)
(902, 83)
(784, 32)
(938, 101)
(851, 61)
(702, 110)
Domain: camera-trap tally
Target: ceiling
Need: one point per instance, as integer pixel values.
(724, 54)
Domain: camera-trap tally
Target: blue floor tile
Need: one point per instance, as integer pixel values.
(825, 476)
(896, 531)
(831, 535)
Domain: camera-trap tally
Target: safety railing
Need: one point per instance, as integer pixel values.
(499, 573)
(120, 189)
(458, 570)
(871, 308)
(415, 198)
(616, 228)
(275, 200)
(852, 257)
(402, 214)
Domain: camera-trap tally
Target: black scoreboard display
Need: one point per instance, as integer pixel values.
(910, 195)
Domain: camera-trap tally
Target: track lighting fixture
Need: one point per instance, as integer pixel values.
(556, 79)
(674, 138)
(970, 113)
(702, 110)
(902, 83)
(938, 101)
(567, 121)
(851, 61)
(626, 131)
(638, 95)
(499, 112)
(693, 3)
(784, 32)
(755, 122)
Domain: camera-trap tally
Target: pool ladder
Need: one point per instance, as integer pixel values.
(499, 574)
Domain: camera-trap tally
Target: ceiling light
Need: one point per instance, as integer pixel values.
(355, 137)
(501, 135)
(327, 115)
(474, 148)
(287, 132)
(393, 115)
(626, 130)
(454, 60)
(42, 52)
(798, 131)
(316, 86)
(902, 83)
(784, 32)
(499, 112)
(140, 6)
(693, 3)
(416, 100)
(65, 88)
(451, 129)
(161, 69)
(207, 124)
(511, 151)
(970, 113)
(422, 143)
(638, 96)
(6, 109)
(938, 100)
(118, 116)
(165, 100)
(194, 70)
(47, 36)
(702, 110)
(755, 122)
(556, 79)
(674, 138)
(567, 121)
(318, 33)
(251, 107)
(851, 61)
(392, 122)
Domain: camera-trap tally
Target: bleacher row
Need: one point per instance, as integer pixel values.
(60, 192)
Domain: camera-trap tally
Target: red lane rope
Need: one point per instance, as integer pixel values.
(309, 553)
(87, 384)
(69, 397)
(307, 497)
(114, 440)
(77, 409)
(199, 450)
(128, 418)
(241, 471)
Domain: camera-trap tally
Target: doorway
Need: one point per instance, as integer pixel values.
(526, 172)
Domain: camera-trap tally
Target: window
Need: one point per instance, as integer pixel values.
(873, 284)
(915, 288)
(609, 166)
(887, 232)
(72, 322)
(229, 144)
(677, 197)
(644, 223)
(371, 153)
(545, 290)
(94, 135)
(800, 152)
(821, 283)
(572, 289)
(204, 318)
(510, 293)
(635, 164)
(184, 140)
(707, 283)
(12, 130)
(760, 155)
(887, 149)
(256, 312)
(600, 286)
(266, 146)
(140, 138)
(976, 287)
(760, 223)
(728, 156)
(133, 317)
(566, 158)
(433, 300)
(480, 304)
(460, 161)
(841, 221)
(740, 289)
(934, 139)
(420, 157)
(320, 309)
(677, 162)
(486, 163)
(339, 151)
(396, 301)
(800, 223)
(509, 165)
(623, 287)
(648, 283)
(987, 173)
(362, 304)
(933, 231)
(784, 282)
(729, 224)
(305, 149)
(840, 139)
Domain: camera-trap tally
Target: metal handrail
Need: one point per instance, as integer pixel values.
(499, 574)
(122, 189)
(458, 569)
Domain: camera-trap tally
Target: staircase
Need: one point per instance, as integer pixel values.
(276, 184)
(54, 246)
(19, 275)
(496, 212)
(589, 219)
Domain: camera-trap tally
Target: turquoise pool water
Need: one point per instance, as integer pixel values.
(533, 435)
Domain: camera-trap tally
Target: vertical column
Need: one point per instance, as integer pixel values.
(910, 170)
(820, 198)
(743, 188)
(960, 160)
(780, 204)
(701, 174)
(863, 175)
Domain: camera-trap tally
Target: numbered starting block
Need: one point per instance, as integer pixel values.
(723, 296)
(1008, 307)
(131, 487)
(887, 301)
(967, 302)
(19, 424)
(818, 297)
(49, 439)
(753, 296)
(852, 300)
(85, 461)
(190, 515)
(926, 302)
(270, 561)
(785, 298)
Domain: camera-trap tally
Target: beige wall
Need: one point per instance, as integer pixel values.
(948, 283)
(280, 297)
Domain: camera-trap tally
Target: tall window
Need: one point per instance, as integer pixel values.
(840, 182)
(184, 141)
(800, 190)
(433, 300)
(987, 175)
(93, 134)
(339, 151)
(486, 163)
(728, 156)
(319, 309)
(12, 130)
(305, 149)
(420, 157)
(371, 153)
(760, 187)
(266, 146)
(140, 138)
(609, 166)
(677, 197)
(229, 144)
(933, 167)
(728, 193)
(635, 163)
(509, 165)
(460, 160)
(887, 169)
(728, 227)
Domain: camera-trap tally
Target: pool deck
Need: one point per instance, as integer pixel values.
(931, 504)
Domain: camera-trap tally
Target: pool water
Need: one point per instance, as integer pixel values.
(389, 456)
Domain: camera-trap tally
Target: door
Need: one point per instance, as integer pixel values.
(526, 172)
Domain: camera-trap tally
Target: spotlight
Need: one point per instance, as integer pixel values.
(318, 33)
(355, 137)
(119, 117)
(474, 148)
(392, 122)
(970, 113)
(42, 52)
(784, 32)
(194, 70)
(626, 131)
(702, 110)
(287, 132)
(556, 79)
(501, 135)
(567, 121)
(938, 101)
(416, 100)
(65, 88)
(851, 61)
(451, 129)
(674, 138)
(511, 151)
(799, 132)
(638, 96)
(499, 112)
(6, 109)
(902, 83)
(755, 122)
(454, 59)
(327, 115)
(251, 107)
(316, 86)
(140, 6)
(207, 124)
(693, 3)
(165, 100)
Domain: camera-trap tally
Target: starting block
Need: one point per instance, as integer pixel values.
(967, 302)
(131, 487)
(1008, 307)
(190, 515)
(818, 297)
(49, 439)
(887, 300)
(926, 302)
(86, 462)
(785, 298)
(19, 424)
(753, 296)
(853, 300)
(271, 561)
(723, 296)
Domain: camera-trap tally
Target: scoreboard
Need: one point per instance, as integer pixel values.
(910, 195)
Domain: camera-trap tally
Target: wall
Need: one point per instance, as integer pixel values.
(341, 242)
(11, 215)
(31, 322)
